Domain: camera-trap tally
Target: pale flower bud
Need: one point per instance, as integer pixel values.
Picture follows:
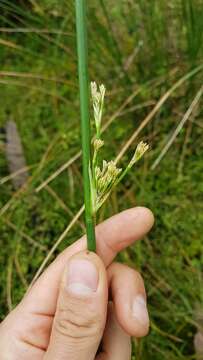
(97, 172)
(98, 95)
(141, 149)
(98, 143)
(102, 92)
(94, 90)
(139, 152)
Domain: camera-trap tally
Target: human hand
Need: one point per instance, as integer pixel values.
(64, 315)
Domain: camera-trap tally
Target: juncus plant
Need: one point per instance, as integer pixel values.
(99, 179)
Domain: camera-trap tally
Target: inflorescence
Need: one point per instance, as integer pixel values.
(106, 177)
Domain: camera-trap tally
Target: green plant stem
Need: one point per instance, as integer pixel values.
(81, 25)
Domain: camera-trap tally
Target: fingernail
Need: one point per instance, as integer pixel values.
(139, 310)
(82, 277)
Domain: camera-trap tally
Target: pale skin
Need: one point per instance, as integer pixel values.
(84, 306)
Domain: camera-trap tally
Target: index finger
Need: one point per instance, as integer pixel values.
(112, 236)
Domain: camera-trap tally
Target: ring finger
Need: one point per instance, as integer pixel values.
(129, 298)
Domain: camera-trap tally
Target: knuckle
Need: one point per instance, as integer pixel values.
(76, 324)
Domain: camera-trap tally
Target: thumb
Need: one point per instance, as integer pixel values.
(81, 310)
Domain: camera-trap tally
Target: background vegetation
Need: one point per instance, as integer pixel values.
(139, 49)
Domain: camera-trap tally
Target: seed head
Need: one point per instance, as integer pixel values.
(97, 172)
(98, 95)
(141, 149)
(102, 92)
(104, 166)
(106, 177)
(94, 89)
(139, 152)
(113, 170)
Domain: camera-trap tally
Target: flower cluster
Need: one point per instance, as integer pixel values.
(141, 149)
(105, 178)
